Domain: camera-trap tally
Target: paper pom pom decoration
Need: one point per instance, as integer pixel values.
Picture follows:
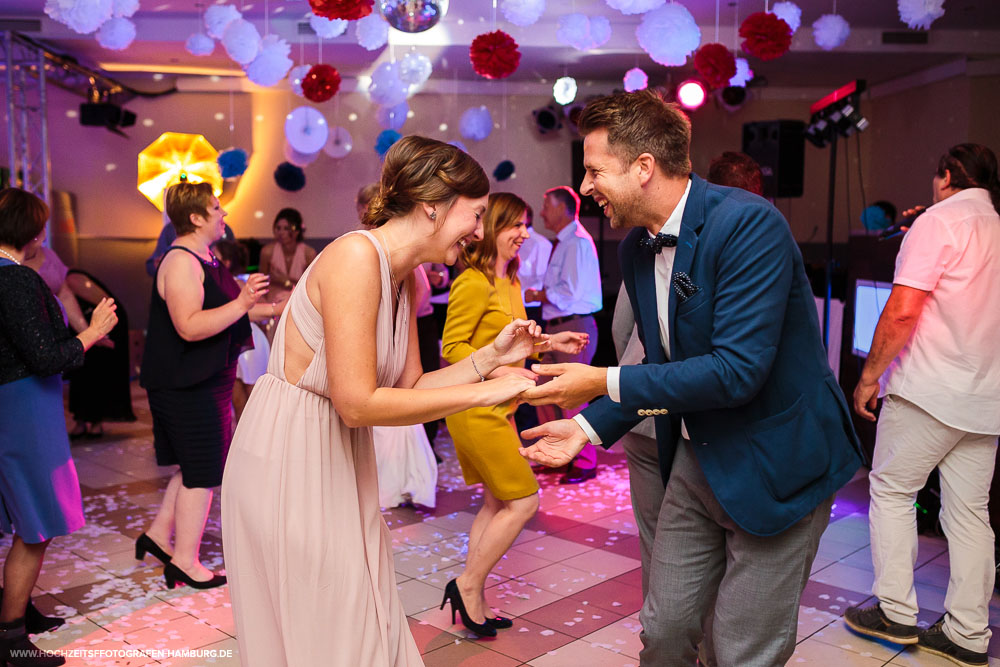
(116, 34)
(320, 83)
(83, 16)
(459, 145)
(241, 41)
(217, 17)
(668, 34)
(299, 159)
(503, 171)
(476, 123)
(523, 12)
(392, 118)
(634, 6)
(200, 44)
(295, 77)
(327, 28)
(583, 32)
(347, 10)
(743, 73)
(716, 64)
(232, 162)
(385, 140)
(790, 13)
(272, 63)
(564, 90)
(339, 143)
(494, 55)
(635, 79)
(765, 36)
(830, 31)
(289, 177)
(415, 68)
(124, 8)
(386, 89)
(372, 32)
(306, 130)
(920, 14)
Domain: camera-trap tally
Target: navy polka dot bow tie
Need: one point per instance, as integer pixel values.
(658, 242)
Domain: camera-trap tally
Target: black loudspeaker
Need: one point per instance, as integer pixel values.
(105, 114)
(588, 207)
(779, 148)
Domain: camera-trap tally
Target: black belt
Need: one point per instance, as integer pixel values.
(566, 318)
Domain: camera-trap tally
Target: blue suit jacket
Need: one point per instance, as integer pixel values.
(747, 372)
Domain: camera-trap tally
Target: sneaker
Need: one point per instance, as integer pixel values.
(872, 622)
(934, 640)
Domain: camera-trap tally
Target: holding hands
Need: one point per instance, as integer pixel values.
(572, 386)
(566, 342)
(559, 442)
(517, 341)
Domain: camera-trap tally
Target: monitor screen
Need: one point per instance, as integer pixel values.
(870, 297)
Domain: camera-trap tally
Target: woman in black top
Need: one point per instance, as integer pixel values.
(198, 326)
(39, 490)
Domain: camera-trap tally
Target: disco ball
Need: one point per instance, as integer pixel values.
(413, 15)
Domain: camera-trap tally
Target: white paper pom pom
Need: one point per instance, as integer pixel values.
(523, 12)
(242, 41)
(393, 118)
(124, 8)
(920, 14)
(743, 74)
(295, 76)
(83, 16)
(830, 31)
(386, 89)
(583, 32)
(272, 63)
(327, 28)
(634, 6)
(564, 90)
(217, 17)
(476, 123)
(635, 79)
(668, 34)
(372, 31)
(116, 34)
(415, 68)
(199, 44)
(790, 13)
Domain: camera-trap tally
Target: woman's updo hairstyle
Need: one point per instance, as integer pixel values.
(972, 166)
(419, 170)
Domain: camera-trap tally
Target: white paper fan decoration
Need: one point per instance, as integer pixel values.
(372, 31)
(669, 35)
(327, 28)
(217, 17)
(116, 33)
(790, 13)
(920, 14)
(306, 130)
(199, 44)
(301, 160)
(241, 41)
(272, 63)
(339, 143)
(583, 32)
(830, 31)
(523, 12)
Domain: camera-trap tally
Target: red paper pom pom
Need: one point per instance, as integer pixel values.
(494, 55)
(716, 64)
(765, 35)
(321, 83)
(348, 10)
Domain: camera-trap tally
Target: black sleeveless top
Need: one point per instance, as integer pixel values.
(169, 361)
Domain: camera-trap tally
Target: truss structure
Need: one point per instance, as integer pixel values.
(27, 130)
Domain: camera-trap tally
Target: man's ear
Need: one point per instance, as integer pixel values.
(646, 165)
(946, 179)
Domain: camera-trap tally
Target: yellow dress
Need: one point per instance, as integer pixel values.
(485, 440)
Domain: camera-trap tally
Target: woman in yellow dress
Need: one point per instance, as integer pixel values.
(484, 299)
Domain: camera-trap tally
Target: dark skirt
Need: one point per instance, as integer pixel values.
(192, 427)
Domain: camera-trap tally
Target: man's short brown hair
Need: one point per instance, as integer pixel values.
(184, 200)
(642, 122)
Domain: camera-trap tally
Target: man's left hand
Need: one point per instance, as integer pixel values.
(572, 385)
(865, 399)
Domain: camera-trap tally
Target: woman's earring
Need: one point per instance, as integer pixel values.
(434, 215)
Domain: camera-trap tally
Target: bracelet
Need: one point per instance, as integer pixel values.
(272, 309)
(472, 358)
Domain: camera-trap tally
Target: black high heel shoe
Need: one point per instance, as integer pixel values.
(452, 594)
(35, 621)
(174, 574)
(499, 622)
(144, 544)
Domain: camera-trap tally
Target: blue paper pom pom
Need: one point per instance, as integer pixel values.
(503, 171)
(289, 177)
(385, 140)
(232, 162)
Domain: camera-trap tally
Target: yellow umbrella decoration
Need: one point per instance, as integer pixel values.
(177, 157)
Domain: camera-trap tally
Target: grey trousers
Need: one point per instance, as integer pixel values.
(587, 458)
(701, 556)
(646, 489)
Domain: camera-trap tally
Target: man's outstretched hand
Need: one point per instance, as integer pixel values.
(572, 385)
(559, 442)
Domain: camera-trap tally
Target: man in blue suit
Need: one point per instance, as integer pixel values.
(754, 434)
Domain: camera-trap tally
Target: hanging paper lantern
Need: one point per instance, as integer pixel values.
(327, 28)
(116, 34)
(476, 123)
(393, 118)
(347, 10)
(413, 15)
(241, 41)
(83, 16)
(790, 13)
(385, 140)
(306, 130)
(743, 73)
(339, 143)
(295, 77)
(564, 90)
(289, 177)
(272, 63)
(385, 88)
(583, 32)
(124, 8)
(232, 162)
(321, 83)
(494, 55)
(920, 14)
(200, 44)
(765, 36)
(716, 64)
(173, 154)
(635, 79)
(299, 159)
(634, 6)
(523, 12)
(830, 31)
(415, 68)
(668, 34)
(372, 32)
(503, 171)
(217, 17)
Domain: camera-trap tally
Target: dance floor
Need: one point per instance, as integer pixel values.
(572, 580)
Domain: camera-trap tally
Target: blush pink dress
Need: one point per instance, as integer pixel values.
(308, 555)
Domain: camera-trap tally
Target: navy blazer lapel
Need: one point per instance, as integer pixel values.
(687, 240)
(645, 292)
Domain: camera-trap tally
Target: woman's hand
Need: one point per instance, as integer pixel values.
(512, 370)
(254, 288)
(104, 318)
(502, 389)
(517, 341)
(569, 342)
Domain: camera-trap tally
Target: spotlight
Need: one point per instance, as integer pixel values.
(691, 94)
(547, 119)
(106, 114)
(732, 98)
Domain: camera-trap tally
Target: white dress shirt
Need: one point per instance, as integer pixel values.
(534, 256)
(573, 278)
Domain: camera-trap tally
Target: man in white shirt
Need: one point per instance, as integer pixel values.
(935, 358)
(534, 254)
(570, 297)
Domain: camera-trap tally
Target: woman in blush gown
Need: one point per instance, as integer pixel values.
(308, 554)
